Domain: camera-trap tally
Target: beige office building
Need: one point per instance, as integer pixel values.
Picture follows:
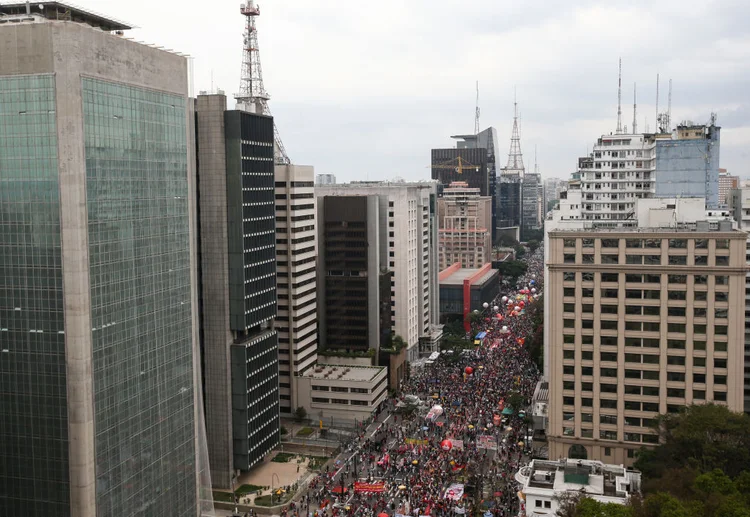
(642, 322)
(465, 227)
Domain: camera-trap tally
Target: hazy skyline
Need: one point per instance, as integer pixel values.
(365, 90)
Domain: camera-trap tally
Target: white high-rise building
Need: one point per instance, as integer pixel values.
(296, 254)
(625, 167)
(407, 230)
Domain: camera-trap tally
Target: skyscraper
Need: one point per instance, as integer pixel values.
(238, 285)
(98, 324)
(296, 258)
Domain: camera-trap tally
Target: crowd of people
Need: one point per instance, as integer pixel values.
(457, 449)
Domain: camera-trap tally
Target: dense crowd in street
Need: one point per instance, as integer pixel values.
(459, 450)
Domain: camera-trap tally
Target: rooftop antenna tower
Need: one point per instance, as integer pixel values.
(253, 95)
(657, 103)
(476, 114)
(669, 108)
(635, 111)
(619, 101)
(515, 157)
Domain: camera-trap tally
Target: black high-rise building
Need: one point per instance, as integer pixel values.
(509, 201)
(237, 218)
(471, 168)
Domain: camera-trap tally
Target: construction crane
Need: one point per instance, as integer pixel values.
(458, 164)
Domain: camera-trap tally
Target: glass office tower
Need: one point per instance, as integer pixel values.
(97, 298)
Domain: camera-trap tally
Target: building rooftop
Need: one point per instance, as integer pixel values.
(691, 228)
(458, 277)
(592, 477)
(62, 11)
(344, 373)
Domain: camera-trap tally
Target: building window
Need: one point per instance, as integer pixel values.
(722, 244)
(569, 243)
(722, 261)
(608, 451)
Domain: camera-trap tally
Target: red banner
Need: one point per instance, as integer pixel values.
(369, 487)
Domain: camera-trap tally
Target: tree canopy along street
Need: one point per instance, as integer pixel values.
(456, 433)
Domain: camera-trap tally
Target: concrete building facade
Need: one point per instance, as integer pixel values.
(296, 257)
(401, 241)
(465, 227)
(98, 324)
(651, 319)
(727, 182)
(238, 286)
(343, 393)
(739, 204)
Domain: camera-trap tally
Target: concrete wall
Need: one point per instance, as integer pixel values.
(215, 285)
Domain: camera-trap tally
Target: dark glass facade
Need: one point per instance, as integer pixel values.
(475, 170)
(347, 304)
(508, 201)
(251, 213)
(33, 402)
(251, 233)
(139, 259)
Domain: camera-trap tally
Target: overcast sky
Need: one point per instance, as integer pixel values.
(365, 89)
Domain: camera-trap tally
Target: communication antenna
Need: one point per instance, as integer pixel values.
(669, 108)
(619, 101)
(635, 111)
(476, 114)
(657, 103)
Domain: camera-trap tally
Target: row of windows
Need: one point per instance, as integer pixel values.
(647, 326)
(589, 242)
(588, 276)
(650, 375)
(647, 294)
(676, 344)
(678, 360)
(647, 310)
(648, 260)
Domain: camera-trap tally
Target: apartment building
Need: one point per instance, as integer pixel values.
(727, 182)
(296, 281)
(623, 168)
(651, 319)
(465, 226)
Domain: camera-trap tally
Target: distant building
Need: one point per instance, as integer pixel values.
(727, 182)
(509, 201)
(486, 139)
(465, 290)
(325, 179)
(623, 168)
(238, 286)
(465, 220)
(687, 164)
(530, 204)
(468, 164)
(544, 483)
(553, 187)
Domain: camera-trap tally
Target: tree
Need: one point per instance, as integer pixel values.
(300, 414)
(588, 507)
(533, 245)
(704, 437)
(512, 269)
(520, 251)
